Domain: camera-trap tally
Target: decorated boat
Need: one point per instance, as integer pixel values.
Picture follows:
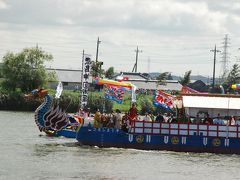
(220, 135)
(53, 120)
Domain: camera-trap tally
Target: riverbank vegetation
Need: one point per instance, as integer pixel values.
(22, 72)
(70, 99)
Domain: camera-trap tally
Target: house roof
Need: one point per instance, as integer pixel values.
(67, 75)
(132, 75)
(199, 85)
(144, 82)
(171, 85)
(213, 102)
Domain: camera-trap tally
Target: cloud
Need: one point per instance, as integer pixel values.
(170, 32)
(65, 21)
(162, 16)
(3, 4)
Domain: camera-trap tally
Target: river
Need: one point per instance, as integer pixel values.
(27, 154)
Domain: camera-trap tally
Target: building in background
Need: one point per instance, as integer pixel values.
(143, 81)
(71, 79)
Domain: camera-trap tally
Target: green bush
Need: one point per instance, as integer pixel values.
(69, 101)
(97, 101)
(16, 101)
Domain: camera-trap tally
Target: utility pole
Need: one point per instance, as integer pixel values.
(98, 42)
(135, 65)
(214, 63)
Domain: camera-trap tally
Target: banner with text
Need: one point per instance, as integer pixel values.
(86, 67)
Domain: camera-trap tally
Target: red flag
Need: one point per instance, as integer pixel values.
(163, 99)
(188, 90)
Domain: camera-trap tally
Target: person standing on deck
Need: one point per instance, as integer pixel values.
(197, 119)
(232, 120)
(147, 117)
(118, 122)
(165, 117)
(159, 118)
(97, 119)
(208, 120)
(132, 112)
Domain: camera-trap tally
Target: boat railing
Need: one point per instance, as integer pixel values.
(184, 129)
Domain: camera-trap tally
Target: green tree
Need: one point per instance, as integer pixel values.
(169, 77)
(162, 77)
(147, 106)
(109, 73)
(234, 75)
(25, 70)
(186, 78)
(96, 69)
(1, 67)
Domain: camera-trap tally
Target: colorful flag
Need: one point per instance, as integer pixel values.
(114, 93)
(164, 100)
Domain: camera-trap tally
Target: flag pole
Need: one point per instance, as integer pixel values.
(81, 96)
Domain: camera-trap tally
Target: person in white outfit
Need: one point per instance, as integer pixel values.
(118, 122)
(147, 117)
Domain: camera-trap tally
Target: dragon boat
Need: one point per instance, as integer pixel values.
(53, 120)
(216, 137)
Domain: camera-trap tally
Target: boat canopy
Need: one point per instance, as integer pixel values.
(213, 105)
(211, 102)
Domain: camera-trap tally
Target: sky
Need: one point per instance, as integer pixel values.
(173, 35)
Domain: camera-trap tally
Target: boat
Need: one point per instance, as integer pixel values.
(53, 120)
(177, 136)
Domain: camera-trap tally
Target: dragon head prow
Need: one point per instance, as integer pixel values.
(37, 93)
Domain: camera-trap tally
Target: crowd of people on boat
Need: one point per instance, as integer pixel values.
(219, 120)
(119, 120)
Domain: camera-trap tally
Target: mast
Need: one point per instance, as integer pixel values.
(81, 95)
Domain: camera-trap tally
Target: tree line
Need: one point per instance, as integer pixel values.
(24, 71)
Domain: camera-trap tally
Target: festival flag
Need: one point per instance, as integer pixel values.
(188, 90)
(114, 93)
(164, 100)
(86, 68)
(59, 90)
(134, 98)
